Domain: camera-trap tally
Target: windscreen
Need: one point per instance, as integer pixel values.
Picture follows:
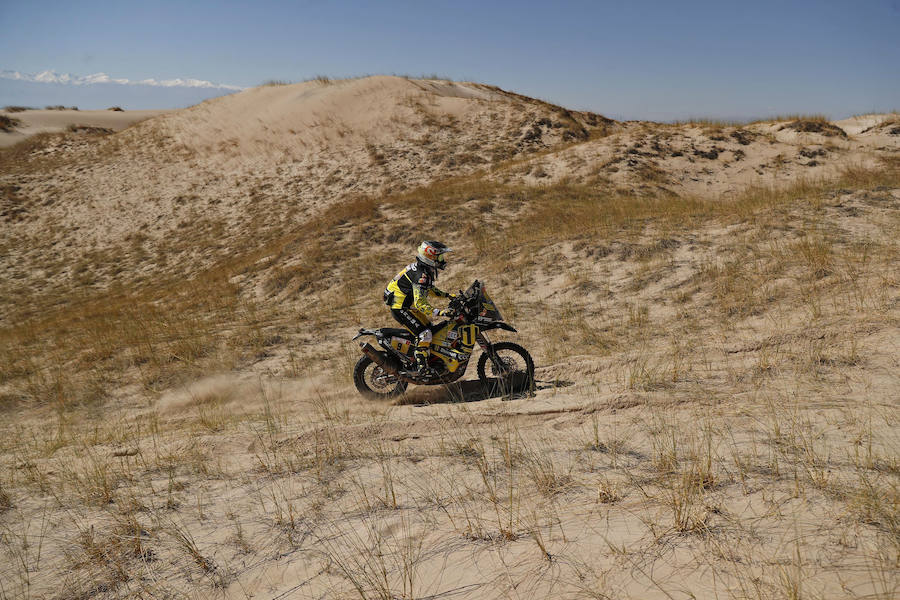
(489, 310)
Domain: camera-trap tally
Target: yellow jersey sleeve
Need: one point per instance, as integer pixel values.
(420, 299)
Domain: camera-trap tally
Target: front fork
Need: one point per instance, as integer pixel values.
(483, 341)
(488, 348)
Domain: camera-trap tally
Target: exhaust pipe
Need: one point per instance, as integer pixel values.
(378, 358)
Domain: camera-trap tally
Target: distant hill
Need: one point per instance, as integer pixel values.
(98, 96)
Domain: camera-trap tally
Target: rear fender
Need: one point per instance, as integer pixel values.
(386, 350)
(363, 332)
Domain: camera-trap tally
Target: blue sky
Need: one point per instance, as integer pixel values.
(657, 60)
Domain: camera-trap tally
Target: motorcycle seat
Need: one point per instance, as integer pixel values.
(405, 333)
(397, 332)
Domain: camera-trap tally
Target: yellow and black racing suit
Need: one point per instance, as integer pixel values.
(407, 297)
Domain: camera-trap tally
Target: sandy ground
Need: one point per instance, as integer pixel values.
(55, 121)
(270, 488)
(682, 449)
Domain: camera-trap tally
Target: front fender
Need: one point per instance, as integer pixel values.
(499, 325)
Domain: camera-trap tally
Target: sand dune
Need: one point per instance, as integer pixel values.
(342, 113)
(279, 153)
(285, 153)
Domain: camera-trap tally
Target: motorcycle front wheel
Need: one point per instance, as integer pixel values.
(373, 382)
(511, 368)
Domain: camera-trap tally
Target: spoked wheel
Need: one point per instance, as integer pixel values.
(511, 368)
(374, 382)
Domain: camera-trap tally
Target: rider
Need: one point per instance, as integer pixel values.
(407, 297)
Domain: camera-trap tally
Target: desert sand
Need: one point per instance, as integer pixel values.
(35, 121)
(713, 309)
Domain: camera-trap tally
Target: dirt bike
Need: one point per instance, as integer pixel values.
(386, 371)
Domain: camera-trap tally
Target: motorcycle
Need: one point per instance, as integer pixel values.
(385, 372)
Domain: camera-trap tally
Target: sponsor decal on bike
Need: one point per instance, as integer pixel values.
(467, 335)
(450, 354)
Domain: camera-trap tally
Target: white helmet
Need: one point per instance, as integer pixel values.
(432, 254)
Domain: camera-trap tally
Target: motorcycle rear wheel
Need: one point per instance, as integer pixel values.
(374, 382)
(512, 368)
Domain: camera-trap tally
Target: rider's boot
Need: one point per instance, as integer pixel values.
(422, 368)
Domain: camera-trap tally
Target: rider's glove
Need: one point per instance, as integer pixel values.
(442, 312)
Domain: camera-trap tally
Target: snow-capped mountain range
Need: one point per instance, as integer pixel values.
(102, 78)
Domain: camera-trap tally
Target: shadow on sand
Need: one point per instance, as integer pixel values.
(475, 391)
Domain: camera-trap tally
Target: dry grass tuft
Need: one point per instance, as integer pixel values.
(816, 125)
(76, 128)
(7, 123)
(5, 500)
